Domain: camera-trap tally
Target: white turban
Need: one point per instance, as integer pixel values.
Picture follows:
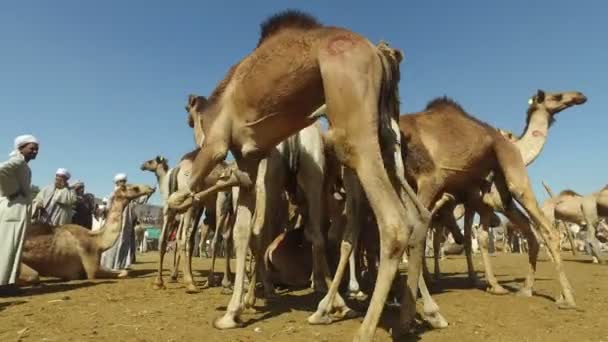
(120, 177)
(104, 200)
(63, 172)
(24, 139)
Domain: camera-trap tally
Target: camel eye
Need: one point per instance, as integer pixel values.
(136, 188)
(558, 97)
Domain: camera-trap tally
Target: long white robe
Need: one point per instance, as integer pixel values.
(58, 204)
(15, 213)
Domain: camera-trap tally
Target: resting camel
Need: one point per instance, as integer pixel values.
(73, 252)
(170, 181)
(298, 65)
(569, 206)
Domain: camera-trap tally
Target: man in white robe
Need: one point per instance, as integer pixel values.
(56, 201)
(15, 209)
(122, 254)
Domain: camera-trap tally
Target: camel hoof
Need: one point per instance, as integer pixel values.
(319, 318)
(172, 280)
(359, 295)
(436, 320)
(524, 292)
(346, 313)
(497, 290)
(123, 274)
(227, 322)
(226, 290)
(158, 285)
(191, 288)
(566, 306)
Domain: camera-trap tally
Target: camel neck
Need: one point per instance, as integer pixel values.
(113, 223)
(534, 137)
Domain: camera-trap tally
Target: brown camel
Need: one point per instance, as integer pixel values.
(542, 109)
(587, 210)
(448, 151)
(298, 65)
(73, 252)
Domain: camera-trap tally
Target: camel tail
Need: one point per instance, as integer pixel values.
(388, 103)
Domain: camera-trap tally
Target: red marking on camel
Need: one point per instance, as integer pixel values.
(537, 133)
(339, 44)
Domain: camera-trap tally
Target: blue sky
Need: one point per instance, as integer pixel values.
(103, 85)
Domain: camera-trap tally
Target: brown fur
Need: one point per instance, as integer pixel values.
(74, 252)
(289, 19)
(568, 192)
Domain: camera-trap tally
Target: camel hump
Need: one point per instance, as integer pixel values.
(569, 192)
(443, 102)
(292, 19)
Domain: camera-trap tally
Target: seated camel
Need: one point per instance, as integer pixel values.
(73, 252)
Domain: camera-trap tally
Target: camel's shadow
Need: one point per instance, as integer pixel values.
(5, 305)
(56, 285)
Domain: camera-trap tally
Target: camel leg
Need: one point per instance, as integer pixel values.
(568, 232)
(589, 209)
(183, 246)
(310, 179)
(226, 282)
(520, 221)
(201, 242)
(27, 275)
(242, 235)
(214, 251)
(437, 234)
(354, 290)
(94, 270)
(162, 248)
(176, 258)
(517, 181)
(332, 300)
(482, 237)
(468, 251)
(225, 222)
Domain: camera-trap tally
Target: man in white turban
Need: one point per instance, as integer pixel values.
(15, 209)
(122, 254)
(56, 201)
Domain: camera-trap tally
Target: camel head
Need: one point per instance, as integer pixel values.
(196, 117)
(132, 191)
(153, 164)
(554, 103)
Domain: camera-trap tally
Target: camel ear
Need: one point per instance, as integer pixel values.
(540, 96)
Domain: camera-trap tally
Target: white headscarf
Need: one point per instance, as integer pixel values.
(22, 140)
(120, 177)
(25, 139)
(63, 172)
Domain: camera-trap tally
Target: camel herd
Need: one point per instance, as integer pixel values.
(296, 192)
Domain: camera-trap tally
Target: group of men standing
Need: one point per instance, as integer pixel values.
(56, 204)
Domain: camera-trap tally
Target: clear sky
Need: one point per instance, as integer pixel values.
(103, 84)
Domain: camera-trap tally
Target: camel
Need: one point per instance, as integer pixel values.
(298, 65)
(587, 210)
(170, 181)
(460, 166)
(73, 252)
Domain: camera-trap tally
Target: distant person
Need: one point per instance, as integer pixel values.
(55, 203)
(84, 207)
(122, 254)
(15, 209)
(99, 217)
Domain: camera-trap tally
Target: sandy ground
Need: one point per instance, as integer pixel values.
(130, 310)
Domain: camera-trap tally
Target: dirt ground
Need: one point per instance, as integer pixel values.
(130, 310)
